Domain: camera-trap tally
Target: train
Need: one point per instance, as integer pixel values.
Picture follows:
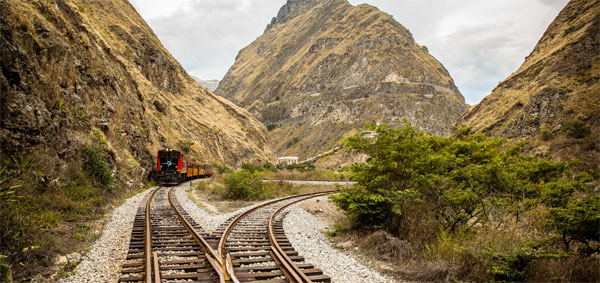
(173, 167)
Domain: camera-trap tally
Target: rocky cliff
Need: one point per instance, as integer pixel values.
(73, 70)
(554, 97)
(322, 68)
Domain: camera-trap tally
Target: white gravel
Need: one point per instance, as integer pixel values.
(304, 232)
(202, 217)
(103, 262)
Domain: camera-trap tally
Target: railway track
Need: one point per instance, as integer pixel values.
(176, 250)
(168, 246)
(256, 249)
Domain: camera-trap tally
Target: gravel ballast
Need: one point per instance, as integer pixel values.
(103, 262)
(304, 232)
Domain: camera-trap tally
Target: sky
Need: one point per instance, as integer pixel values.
(480, 42)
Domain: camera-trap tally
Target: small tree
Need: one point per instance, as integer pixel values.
(244, 185)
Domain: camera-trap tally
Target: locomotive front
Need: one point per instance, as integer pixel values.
(170, 167)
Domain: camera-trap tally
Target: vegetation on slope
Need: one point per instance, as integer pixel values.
(43, 214)
(476, 204)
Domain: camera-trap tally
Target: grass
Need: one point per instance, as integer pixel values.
(310, 175)
(211, 194)
(48, 213)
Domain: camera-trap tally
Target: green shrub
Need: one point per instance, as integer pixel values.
(546, 134)
(251, 167)
(271, 127)
(223, 169)
(7, 193)
(578, 220)
(577, 129)
(244, 185)
(268, 166)
(22, 161)
(99, 168)
(458, 180)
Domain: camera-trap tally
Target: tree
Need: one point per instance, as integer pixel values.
(457, 181)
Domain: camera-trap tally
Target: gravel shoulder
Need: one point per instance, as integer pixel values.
(304, 231)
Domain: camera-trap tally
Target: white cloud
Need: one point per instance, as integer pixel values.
(479, 42)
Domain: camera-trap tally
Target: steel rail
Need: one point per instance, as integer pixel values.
(282, 262)
(296, 272)
(221, 247)
(211, 255)
(148, 239)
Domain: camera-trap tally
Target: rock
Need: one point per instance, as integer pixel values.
(345, 245)
(61, 260)
(343, 66)
(160, 107)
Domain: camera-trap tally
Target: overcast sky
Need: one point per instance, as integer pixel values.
(480, 42)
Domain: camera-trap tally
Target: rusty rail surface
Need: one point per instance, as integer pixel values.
(185, 253)
(211, 255)
(148, 238)
(291, 271)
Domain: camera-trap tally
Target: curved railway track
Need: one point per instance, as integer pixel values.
(167, 245)
(256, 249)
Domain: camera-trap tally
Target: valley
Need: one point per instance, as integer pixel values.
(336, 148)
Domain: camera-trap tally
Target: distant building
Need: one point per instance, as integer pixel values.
(369, 134)
(288, 160)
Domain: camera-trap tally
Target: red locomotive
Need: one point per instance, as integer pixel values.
(173, 167)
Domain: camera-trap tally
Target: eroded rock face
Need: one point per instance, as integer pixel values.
(323, 68)
(558, 83)
(75, 72)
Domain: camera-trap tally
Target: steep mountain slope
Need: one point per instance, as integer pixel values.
(322, 68)
(87, 96)
(74, 66)
(554, 97)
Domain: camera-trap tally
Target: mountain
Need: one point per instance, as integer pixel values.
(323, 68)
(554, 97)
(72, 68)
(208, 84)
(87, 96)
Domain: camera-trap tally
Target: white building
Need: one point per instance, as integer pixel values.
(288, 160)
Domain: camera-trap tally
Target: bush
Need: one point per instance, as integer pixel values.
(244, 185)
(577, 129)
(271, 127)
(546, 134)
(251, 167)
(99, 168)
(460, 181)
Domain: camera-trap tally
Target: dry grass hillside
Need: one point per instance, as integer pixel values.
(88, 94)
(322, 68)
(97, 65)
(554, 97)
